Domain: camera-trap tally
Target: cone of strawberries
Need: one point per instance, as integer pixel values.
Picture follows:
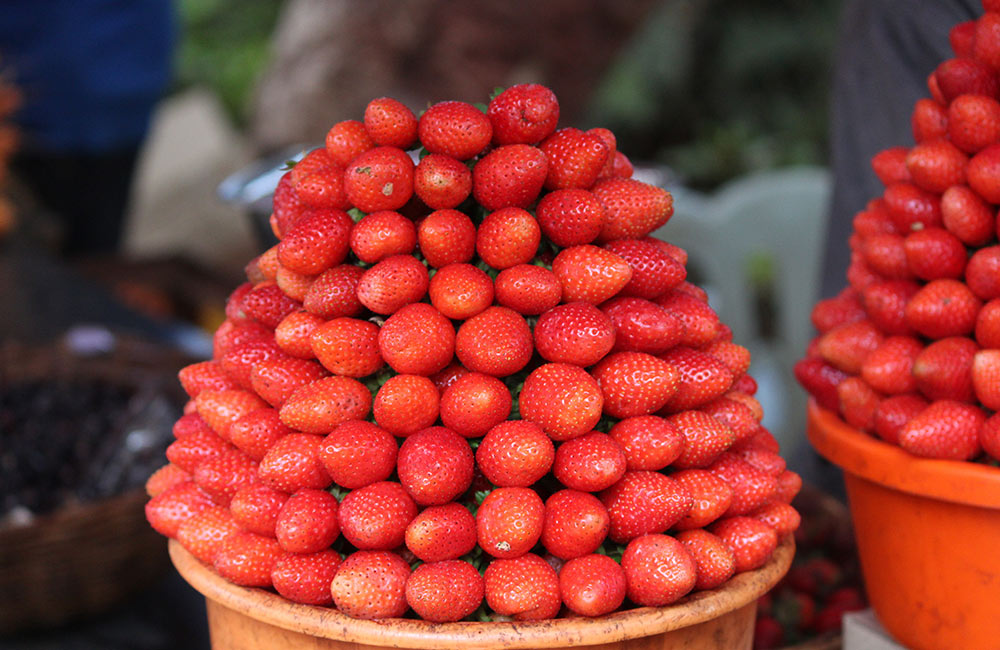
(909, 350)
(467, 383)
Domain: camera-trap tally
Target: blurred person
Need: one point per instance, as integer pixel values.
(90, 73)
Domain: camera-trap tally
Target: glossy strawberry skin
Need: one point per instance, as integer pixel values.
(525, 588)
(509, 176)
(644, 502)
(435, 466)
(592, 585)
(371, 585)
(658, 570)
(575, 524)
(509, 521)
(444, 592)
(455, 129)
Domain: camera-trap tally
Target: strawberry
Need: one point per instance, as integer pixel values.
(705, 437)
(735, 415)
(204, 375)
(888, 369)
(644, 502)
(294, 462)
(347, 346)
(989, 436)
(292, 284)
(592, 585)
(358, 453)
(287, 206)
(885, 255)
(885, 304)
(527, 289)
(985, 39)
(988, 325)
(371, 585)
(752, 541)
(782, 517)
(945, 429)
(961, 38)
(845, 307)
(633, 208)
(752, 487)
(890, 165)
(982, 274)
(525, 588)
(307, 522)
(967, 215)
(375, 516)
(204, 533)
(986, 378)
(876, 218)
(435, 466)
(847, 346)
(575, 524)
(247, 559)
(379, 179)
(929, 121)
(943, 308)
(263, 267)
(447, 376)
(589, 463)
(381, 234)
(495, 342)
(966, 77)
(575, 159)
(190, 423)
(983, 172)
(392, 284)
(515, 453)
(658, 570)
(576, 333)
(406, 404)
(591, 274)
(653, 271)
(255, 507)
(390, 123)
(894, 412)
(789, 485)
(858, 403)
(347, 140)
(474, 404)
(267, 305)
(222, 475)
(711, 497)
(648, 442)
(508, 237)
(220, 408)
(973, 122)
(317, 242)
(305, 577)
(165, 478)
(441, 182)
(509, 521)
(417, 340)
(642, 326)
(523, 114)
(936, 165)
(446, 237)
(321, 188)
(714, 559)
(276, 379)
(934, 253)
(570, 217)
(167, 511)
(444, 532)
(909, 206)
(701, 323)
(509, 176)
(635, 383)
(325, 403)
(455, 129)
(732, 355)
(460, 291)
(702, 378)
(622, 166)
(239, 360)
(257, 431)
(333, 294)
(944, 369)
(443, 592)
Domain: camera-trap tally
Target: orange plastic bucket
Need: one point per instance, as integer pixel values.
(928, 534)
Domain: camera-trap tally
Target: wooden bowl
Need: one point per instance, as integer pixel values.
(250, 619)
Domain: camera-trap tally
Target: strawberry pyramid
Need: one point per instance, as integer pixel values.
(910, 350)
(473, 386)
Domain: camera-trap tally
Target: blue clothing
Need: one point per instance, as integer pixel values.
(91, 71)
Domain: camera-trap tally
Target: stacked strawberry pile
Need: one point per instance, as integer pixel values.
(910, 349)
(472, 378)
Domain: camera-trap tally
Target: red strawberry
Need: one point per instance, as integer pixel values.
(622, 166)
(292, 284)
(846, 307)
(446, 237)
(165, 478)
(474, 403)
(575, 159)
(577, 333)
(455, 129)
(320, 188)
(267, 305)
(247, 559)
(967, 215)
(515, 453)
(347, 140)
(711, 497)
(307, 522)
(508, 237)
(986, 37)
(752, 487)
(890, 165)
(375, 517)
(944, 369)
(644, 502)
(634, 209)
(371, 585)
(752, 541)
(255, 508)
(379, 179)
(983, 172)
(713, 558)
(982, 273)
(570, 217)
(894, 412)
(988, 325)
(789, 485)
(442, 182)
(635, 383)
(590, 274)
(509, 521)
(381, 234)
(973, 122)
(325, 403)
(589, 463)
(317, 242)
(592, 585)
(509, 176)
(495, 342)
(929, 120)
(936, 165)
(276, 379)
(986, 378)
(305, 577)
(393, 283)
(653, 271)
(347, 346)
(220, 408)
(701, 323)
(358, 453)
(239, 360)
(523, 114)
(961, 38)
(909, 206)
(858, 403)
(934, 253)
(204, 533)
(782, 517)
(287, 206)
(222, 475)
(989, 436)
(943, 308)
(460, 291)
(527, 289)
(443, 592)
(735, 415)
(168, 510)
(732, 355)
(440, 533)
(658, 570)
(417, 340)
(876, 218)
(257, 431)
(406, 404)
(705, 437)
(435, 466)
(885, 255)
(888, 369)
(190, 423)
(205, 375)
(293, 463)
(576, 523)
(390, 123)
(642, 326)
(847, 346)
(945, 429)
(885, 304)
(333, 294)
(966, 76)
(525, 588)
(648, 442)
(702, 378)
